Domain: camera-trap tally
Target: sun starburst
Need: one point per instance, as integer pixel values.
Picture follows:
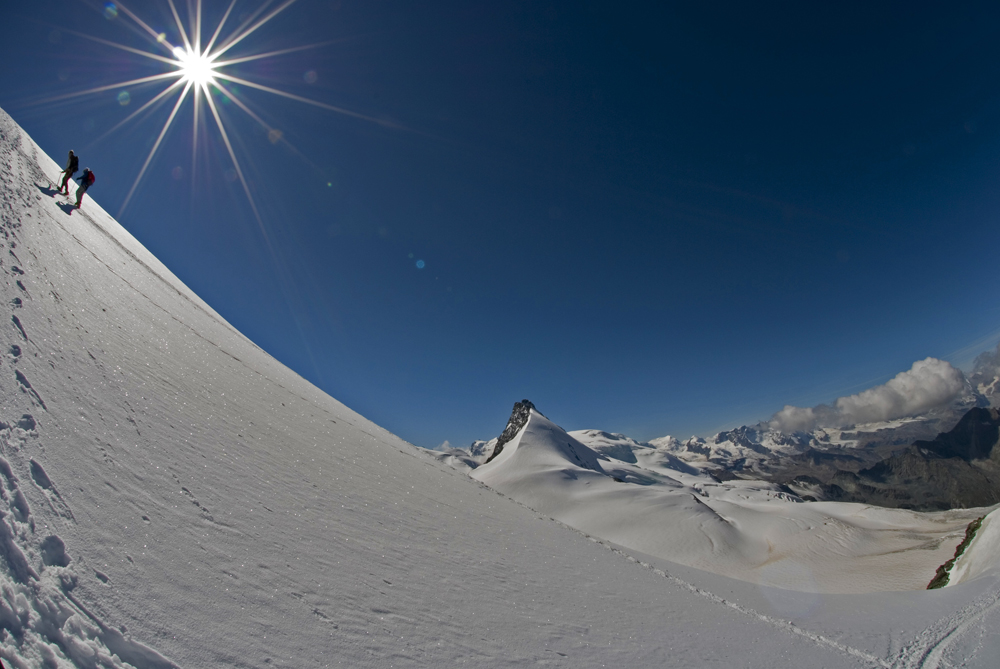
(199, 73)
(196, 68)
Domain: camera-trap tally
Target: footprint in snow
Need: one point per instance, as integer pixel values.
(20, 328)
(54, 552)
(8, 474)
(19, 506)
(18, 503)
(26, 387)
(55, 500)
(39, 476)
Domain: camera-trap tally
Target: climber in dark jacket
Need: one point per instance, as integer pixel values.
(71, 167)
(86, 181)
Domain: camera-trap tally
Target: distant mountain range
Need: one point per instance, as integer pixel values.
(942, 458)
(646, 498)
(957, 469)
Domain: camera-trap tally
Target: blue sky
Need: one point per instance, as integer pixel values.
(650, 218)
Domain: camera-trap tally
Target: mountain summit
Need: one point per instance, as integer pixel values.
(518, 419)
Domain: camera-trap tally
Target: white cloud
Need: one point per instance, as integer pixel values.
(929, 384)
(794, 419)
(444, 446)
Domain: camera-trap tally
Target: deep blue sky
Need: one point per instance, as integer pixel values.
(651, 218)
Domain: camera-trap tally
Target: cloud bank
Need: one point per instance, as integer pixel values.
(929, 384)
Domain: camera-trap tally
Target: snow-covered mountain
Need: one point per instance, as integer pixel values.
(172, 496)
(466, 459)
(766, 450)
(824, 458)
(750, 530)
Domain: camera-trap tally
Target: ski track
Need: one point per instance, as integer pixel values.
(43, 624)
(929, 648)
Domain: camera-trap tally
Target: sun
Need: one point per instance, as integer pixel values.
(200, 74)
(195, 68)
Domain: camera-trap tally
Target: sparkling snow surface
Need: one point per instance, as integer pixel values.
(173, 496)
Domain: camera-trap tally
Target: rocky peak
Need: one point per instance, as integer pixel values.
(973, 438)
(518, 419)
(746, 437)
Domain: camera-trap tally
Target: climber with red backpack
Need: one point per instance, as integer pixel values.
(86, 181)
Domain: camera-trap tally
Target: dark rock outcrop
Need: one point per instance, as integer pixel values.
(518, 419)
(943, 574)
(974, 438)
(957, 469)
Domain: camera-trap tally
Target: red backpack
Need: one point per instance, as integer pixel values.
(91, 178)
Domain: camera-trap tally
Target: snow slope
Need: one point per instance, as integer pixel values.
(982, 554)
(173, 496)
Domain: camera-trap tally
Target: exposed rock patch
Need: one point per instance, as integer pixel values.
(518, 419)
(943, 574)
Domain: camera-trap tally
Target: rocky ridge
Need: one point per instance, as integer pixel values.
(518, 419)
